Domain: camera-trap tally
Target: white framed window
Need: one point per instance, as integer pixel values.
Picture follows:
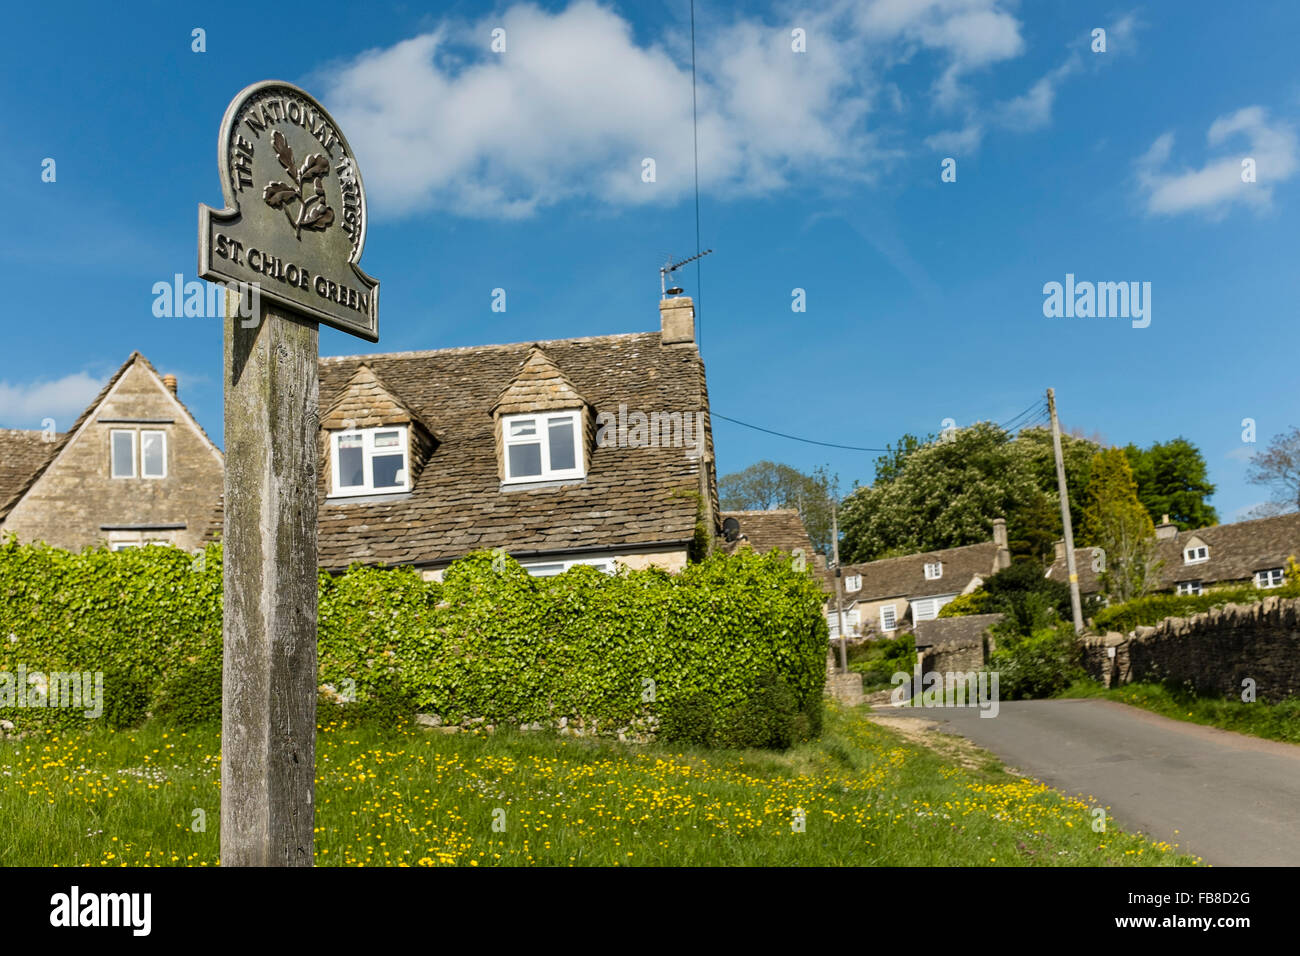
(851, 621)
(122, 443)
(548, 569)
(153, 454)
(853, 582)
(1196, 554)
(543, 447)
(371, 461)
(925, 610)
(933, 570)
(1272, 578)
(1189, 587)
(889, 617)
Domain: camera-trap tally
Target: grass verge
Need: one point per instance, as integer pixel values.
(860, 795)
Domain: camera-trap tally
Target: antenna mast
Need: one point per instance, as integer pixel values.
(671, 267)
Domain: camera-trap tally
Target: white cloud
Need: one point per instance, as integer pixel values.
(63, 399)
(577, 101)
(1241, 453)
(1121, 36)
(1033, 108)
(1217, 185)
(965, 140)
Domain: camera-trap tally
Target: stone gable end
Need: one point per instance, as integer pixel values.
(74, 502)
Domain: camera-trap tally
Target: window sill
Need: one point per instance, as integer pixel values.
(367, 499)
(541, 484)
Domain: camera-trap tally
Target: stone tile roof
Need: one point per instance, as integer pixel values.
(631, 496)
(538, 385)
(965, 630)
(364, 402)
(779, 528)
(22, 454)
(1237, 551)
(905, 576)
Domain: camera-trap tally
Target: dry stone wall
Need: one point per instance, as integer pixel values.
(1214, 652)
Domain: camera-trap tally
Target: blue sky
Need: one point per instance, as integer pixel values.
(820, 170)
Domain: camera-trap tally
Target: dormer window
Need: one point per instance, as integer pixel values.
(853, 582)
(1196, 554)
(1272, 578)
(543, 447)
(933, 570)
(371, 461)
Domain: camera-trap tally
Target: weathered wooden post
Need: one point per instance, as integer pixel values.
(287, 247)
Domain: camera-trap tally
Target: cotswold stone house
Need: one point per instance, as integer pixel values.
(1247, 552)
(134, 469)
(592, 451)
(882, 597)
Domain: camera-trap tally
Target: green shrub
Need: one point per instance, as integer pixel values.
(1039, 665)
(769, 717)
(978, 601)
(879, 660)
(740, 636)
(1029, 600)
(687, 720)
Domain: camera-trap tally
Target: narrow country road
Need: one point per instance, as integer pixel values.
(1230, 799)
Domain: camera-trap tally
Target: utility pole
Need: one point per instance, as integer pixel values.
(1075, 605)
(839, 601)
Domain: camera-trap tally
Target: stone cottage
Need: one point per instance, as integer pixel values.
(136, 468)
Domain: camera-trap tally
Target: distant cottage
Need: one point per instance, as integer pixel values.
(881, 597)
(1247, 552)
(135, 469)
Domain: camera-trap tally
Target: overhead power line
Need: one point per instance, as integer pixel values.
(806, 441)
(1034, 414)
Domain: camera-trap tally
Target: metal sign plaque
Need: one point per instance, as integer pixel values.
(295, 218)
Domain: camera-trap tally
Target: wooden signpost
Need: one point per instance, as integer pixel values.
(290, 237)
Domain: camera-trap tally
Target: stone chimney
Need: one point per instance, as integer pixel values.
(170, 381)
(1000, 539)
(677, 320)
(1166, 529)
(1060, 551)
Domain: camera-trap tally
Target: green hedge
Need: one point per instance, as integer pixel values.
(730, 643)
(879, 660)
(1038, 665)
(1154, 608)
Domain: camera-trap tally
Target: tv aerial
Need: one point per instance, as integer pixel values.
(671, 267)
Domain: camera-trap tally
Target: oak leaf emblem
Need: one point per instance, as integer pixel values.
(307, 189)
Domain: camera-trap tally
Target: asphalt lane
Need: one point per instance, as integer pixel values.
(1230, 799)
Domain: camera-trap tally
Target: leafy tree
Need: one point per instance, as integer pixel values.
(1116, 521)
(1278, 468)
(1172, 480)
(946, 493)
(890, 465)
(1028, 599)
(1076, 454)
(1037, 529)
(766, 485)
